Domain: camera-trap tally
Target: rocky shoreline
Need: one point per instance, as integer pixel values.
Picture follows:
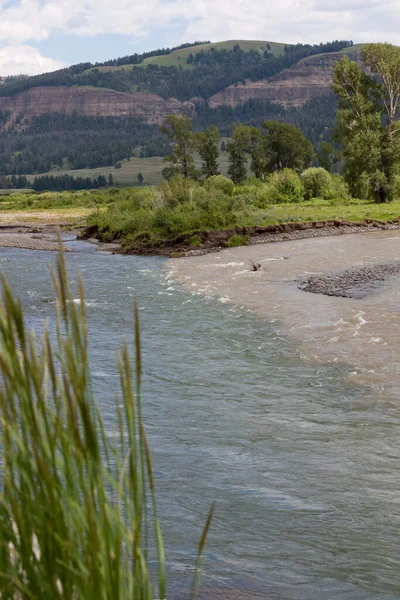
(357, 283)
(29, 241)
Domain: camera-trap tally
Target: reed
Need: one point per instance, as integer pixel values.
(76, 504)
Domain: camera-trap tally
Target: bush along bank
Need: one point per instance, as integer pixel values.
(184, 216)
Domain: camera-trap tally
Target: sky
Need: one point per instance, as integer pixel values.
(37, 36)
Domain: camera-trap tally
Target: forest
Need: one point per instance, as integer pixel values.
(79, 142)
(75, 141)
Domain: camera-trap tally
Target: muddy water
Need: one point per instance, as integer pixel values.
(361, 333)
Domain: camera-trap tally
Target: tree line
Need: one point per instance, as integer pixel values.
(59, 183)
(14, 183)
(136, 59)
(275, 146)
(55, 183)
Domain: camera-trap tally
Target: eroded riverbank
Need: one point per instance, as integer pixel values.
(361, 331)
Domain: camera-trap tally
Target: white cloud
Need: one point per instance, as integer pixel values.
(25, 60)
(29, 21)
(307, 21)
(286, 20)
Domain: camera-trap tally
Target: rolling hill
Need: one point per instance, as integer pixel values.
(92, 116)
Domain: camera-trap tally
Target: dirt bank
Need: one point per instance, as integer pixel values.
(214, 241)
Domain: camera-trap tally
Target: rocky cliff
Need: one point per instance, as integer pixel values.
(309, 78)
(93, 102)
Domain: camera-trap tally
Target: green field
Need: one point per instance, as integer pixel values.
(179, 57)
(126, 176)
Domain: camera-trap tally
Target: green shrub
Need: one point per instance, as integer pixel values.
(317, 183)
(219, 182)
(178, 189)
(195, 241)
(237, 240)
(285, 186)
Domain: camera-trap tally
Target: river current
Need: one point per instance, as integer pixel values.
(301, 456)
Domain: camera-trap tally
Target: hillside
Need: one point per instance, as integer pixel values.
(181, 57)
(88, 116)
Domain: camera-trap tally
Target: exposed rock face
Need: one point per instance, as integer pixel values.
(92, 101)
(309, 78)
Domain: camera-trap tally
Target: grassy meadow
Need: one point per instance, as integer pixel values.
(151, 169)
(179, 57)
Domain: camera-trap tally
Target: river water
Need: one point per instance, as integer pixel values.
(300, 454)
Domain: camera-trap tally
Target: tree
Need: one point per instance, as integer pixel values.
(326, 156)
(287, 147)
(259, 152)
(238, 148)
(368, 115)
(207, 143)
(317, 182)
(140, 178)
(110, 179)
(178, 130)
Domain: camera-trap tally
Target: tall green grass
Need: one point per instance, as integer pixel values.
(77, 506)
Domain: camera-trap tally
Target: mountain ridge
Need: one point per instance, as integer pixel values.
(225, 82)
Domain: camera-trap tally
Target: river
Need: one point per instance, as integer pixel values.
(300, 454)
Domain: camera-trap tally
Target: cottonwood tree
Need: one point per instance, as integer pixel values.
(278, 146)
(287, 147)
(326, 156)
(368, 127)
(178, 130)
(238, 148)
(207, 144)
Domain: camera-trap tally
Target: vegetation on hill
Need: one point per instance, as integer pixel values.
(214, 70)
(75, 141)
(41, 143)
(136, 59)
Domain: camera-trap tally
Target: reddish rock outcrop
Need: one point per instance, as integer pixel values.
(309, 78)
(92, 101)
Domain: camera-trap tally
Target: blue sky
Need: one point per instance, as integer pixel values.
(43, 35)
